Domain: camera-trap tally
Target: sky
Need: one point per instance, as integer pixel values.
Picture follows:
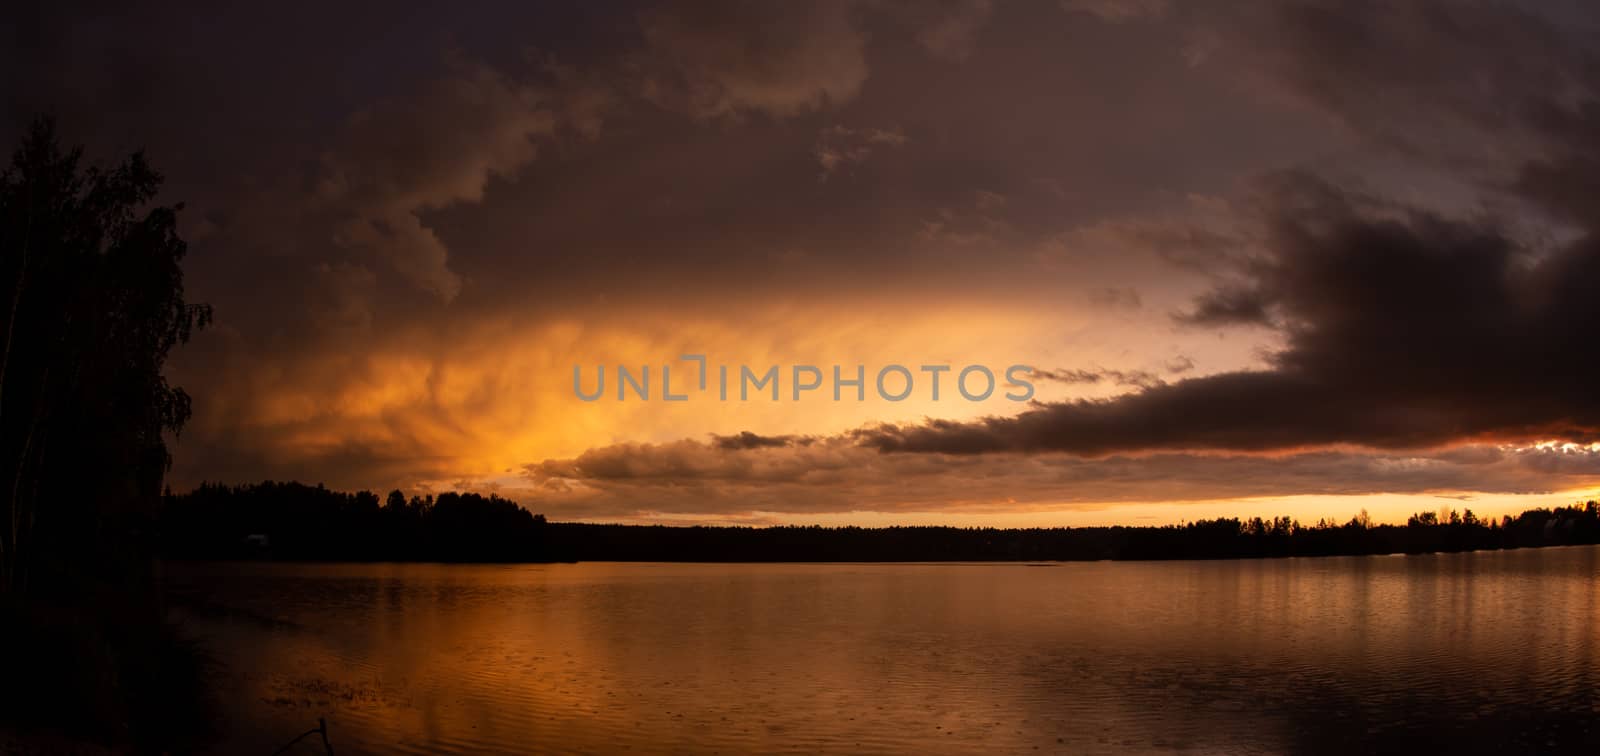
(1292, 257)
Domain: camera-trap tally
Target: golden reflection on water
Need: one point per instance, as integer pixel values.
(1477, 652)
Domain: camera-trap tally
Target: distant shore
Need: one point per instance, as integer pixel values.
(269, 559)
(295, 522)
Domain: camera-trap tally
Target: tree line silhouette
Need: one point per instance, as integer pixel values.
(297, 521)
(294, 521)
(91, 304)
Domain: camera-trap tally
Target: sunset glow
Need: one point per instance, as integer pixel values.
(1237, 247)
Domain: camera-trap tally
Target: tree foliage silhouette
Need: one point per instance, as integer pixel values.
(92, 301)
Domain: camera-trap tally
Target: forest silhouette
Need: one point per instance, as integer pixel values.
(293, 521)
(91, 304)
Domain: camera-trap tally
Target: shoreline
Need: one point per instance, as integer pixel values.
(896, 562)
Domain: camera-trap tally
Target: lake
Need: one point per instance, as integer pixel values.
(1472, 653)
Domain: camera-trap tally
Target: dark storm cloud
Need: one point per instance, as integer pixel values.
(345, 153)
(441, 150)
(748, 440)
(376, 197)
(1140, 378)
(1116, 298)
(948, 29)
(1501, 93)
(1229, 305)
(1403, 329)
(840, 148)
(692, 476)
(726, 59)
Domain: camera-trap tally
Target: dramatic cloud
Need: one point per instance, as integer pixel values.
(1205, 234)
(748, 440)
(694, 477)
(1139, 378)
(1229, 305)
(428, 152)
(948, 29)
(1117, 11)
(1252, 241)
(731, 58)
(839, 148)
(1404, 329)
(1475, 86)
(344, 301)
(1116, 297)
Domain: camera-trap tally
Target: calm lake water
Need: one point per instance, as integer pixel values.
(1475, 653)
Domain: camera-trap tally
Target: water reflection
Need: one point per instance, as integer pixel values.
(1485, 652)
